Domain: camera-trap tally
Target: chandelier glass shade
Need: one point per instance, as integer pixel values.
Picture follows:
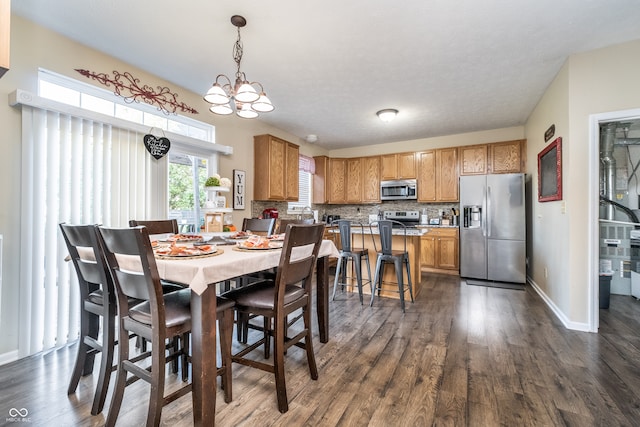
(246, 98)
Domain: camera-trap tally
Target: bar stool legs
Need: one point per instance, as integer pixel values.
(379, 273)
(341, 268)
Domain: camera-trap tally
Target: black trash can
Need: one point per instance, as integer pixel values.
(605, 290)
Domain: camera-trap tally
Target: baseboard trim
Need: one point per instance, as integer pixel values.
(8, 357)
(576, 326)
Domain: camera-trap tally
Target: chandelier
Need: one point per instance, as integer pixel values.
(242, 95)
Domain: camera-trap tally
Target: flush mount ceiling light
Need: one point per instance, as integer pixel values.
(387, 114)
(241, 96)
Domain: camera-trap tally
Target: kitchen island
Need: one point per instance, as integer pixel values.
(389, 285)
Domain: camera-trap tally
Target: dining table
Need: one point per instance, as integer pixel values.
(202, 274)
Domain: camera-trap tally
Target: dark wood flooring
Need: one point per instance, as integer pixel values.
(461, 355)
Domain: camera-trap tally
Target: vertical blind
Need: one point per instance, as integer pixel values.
(77, 171)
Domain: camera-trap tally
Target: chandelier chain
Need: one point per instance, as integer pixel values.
(237, 54)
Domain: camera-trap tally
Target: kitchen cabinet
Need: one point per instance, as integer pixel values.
(275, 169)
(353, 187)
(320, 180)
(506, 157)
(5, 35)
(438, 175)
(497, 157)
(473, 160)
(398, 166)
(439, 250)
(447, 175)
(371, 179)
(337, 173)
(427, 176)
(349, 180)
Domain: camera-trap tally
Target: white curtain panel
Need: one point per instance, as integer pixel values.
(76, 171)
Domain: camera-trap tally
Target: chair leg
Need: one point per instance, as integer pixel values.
(358, 267)
(366, 258)
(409, 279)
(93, 322)
(308, 342)
(278, 361)
(398, 266)
(106, 362)
(81, 355)
(337, 278)
(156, 394)
(175, 348)
(225, 321)
(377, 277)
(266, 327)
(184, 356)
(121, 379)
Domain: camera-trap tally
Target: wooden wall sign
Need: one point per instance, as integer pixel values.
(238, 189)
(548, 134)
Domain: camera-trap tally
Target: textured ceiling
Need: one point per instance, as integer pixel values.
(448, 67)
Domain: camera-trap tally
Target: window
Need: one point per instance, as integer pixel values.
(83, 168)
(306, 168)
(74, 92)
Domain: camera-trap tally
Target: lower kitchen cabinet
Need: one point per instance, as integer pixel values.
(439, 250)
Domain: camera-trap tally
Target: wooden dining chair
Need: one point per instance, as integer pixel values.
(157, 318)
(281, 224)
(97, 302)
(157, 226)
(259, 226)
(276, 299)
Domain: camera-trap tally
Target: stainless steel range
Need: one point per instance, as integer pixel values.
(408, 218)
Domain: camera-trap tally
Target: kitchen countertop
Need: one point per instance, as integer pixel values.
(436, 226)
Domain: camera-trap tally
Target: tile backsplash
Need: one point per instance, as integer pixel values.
(359, 212)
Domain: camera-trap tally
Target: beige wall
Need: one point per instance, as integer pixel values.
(599, 81)
(547, 229)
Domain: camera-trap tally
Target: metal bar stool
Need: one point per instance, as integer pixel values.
(387, 255)
(348, 252)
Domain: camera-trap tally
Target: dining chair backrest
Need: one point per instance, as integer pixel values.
(385, 230)
(281, 224)
(157, 226)
(261, 226)
(298, 257)
(91, 270)
(140, 280)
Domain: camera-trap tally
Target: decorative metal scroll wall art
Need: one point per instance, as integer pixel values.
(130, 89)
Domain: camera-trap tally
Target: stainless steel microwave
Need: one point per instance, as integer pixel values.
(404, 189)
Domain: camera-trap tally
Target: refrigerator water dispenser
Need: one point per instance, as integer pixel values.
(472, 216)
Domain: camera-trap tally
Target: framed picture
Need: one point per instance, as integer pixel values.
(550, 172)
(238, 189)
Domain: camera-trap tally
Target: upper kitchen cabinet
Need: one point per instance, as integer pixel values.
(506, 157)
(353, 188)
(398, 166)
(370, 179)
(5, 33)
(498, 157)
(447, 174)
(275, 174)
(473, 160)
(337, 173)
(427, 176)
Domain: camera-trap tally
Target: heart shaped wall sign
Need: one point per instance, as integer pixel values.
(157, 147)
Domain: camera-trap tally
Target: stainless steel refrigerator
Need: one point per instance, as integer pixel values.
(492, 229)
